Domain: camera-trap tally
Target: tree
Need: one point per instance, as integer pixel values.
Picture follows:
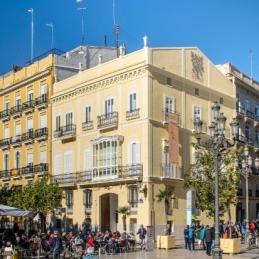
(201, 180)
(166, 196)
(40, 198)
(124, 210)
(5, 194)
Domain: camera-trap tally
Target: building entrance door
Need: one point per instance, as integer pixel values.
(108, 210)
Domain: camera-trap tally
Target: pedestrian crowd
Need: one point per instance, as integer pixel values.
(204, 235)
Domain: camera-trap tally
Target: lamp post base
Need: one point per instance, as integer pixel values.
(217, 253)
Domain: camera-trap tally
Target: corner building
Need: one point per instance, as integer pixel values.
(111, 138)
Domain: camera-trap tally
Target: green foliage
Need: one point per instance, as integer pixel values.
(201, 180)
(166, 194)
(125, 210)
(5, 194)
(42, 197)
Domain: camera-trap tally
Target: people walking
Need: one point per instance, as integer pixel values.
(186, 236)
(208, 239)
(191, 238)
(202, 237)
(56, 246)
(142, 232)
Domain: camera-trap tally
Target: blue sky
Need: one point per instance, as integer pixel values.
(225, 30)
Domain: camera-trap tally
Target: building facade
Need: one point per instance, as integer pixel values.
(247, 112)
(25, 111)
(112, 145)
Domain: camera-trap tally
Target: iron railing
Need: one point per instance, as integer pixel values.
(133, 114)
(42, 167)
(5, 174)
(87, 125)
(42, 132)
(41, 100)
(107, 120)
(16, 140)
(28, 136)
(28, 105)
(5, 114)
(16, 109)
(5, 142)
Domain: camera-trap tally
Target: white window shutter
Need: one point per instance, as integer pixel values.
(68, 160)
(138, 153)
(6, 133)
(43, 121)
(57, 167)
(88, 159)
(30, 124)
(18, 129)
(43, 157)
(29, 158)
(43, 89)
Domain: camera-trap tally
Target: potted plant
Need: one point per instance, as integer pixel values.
(124, 210)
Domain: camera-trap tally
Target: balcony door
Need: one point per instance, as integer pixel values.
(109, 107)
(6, 162)
(43, 90)
(30, 95)
(134, 153)
(17, 159)
(69, 120)
(43, 121)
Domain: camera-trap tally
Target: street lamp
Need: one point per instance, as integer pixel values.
(245, 170)
(216, 144)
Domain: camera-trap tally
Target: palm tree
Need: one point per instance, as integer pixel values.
(124, 210)
(166, 195)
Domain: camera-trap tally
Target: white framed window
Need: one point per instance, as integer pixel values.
(132, 102)
(133, 197)
(134, 153)
(88, 159)
(68, 162)
(6, 133)
(43, 157)
(29, 158)
(43, 121)
(109, 106)
(57, 164)
(29, 124)
(88, 199)
(69, 118)
(88, 115)
(58, 125)
(18, 129)
(197, 112)
(43, 89)
(30, 95)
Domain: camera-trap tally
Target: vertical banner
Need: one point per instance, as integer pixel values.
(173, 130)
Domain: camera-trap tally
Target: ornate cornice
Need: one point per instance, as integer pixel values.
(106, 82)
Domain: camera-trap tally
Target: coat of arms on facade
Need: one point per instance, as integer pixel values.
(197, 66)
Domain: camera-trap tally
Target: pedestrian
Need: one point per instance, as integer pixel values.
(56, 246)
(202, 237)
(191, 238)
(208, 239)
(168, 230)
(142, 235)
(186, 236)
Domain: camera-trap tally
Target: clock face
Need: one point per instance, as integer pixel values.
(197, 66)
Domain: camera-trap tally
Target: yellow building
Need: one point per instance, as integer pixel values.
(111, 135)
(25, 111)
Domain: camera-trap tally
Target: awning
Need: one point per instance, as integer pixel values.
(14, 212)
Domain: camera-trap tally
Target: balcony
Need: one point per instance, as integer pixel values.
(66, 133)
(170, 171)
(28, 137)
(41, 134)
(204, 127)
(28, 106)
(249, 116)
(16, 111)
(41, 169)
(131, 115)
(5, 115)
(5, 143)
(17, 141)
(88, 210)
(28, 171)
(41, 102)
(240, 111)
(16, 173)
(256, 146)
(65, 180)
(5, 175)
(87, 125)
(108, 121)
(110, 173)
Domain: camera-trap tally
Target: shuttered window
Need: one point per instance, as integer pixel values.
(57, 165)
(43, 89)
(88, 159)
(43, 121)
(135, 153)
(29, 124)
(43, 157)
(18, 129)
(29, 158)
(133, 102)
(68, 162)
(6, 133)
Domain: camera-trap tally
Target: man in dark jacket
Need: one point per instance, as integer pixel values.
(56, 245)
(208, 239)
(186, 236)
(142, 235)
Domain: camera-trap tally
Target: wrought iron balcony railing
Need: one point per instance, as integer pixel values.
(41, 101)
(66, 132)
(5, 174)
(41, 168)
(5, 115)
(28, 106)
(16, 140)
(87, 125)
(28, 170)
(68, 179)
(5, 143)
(41, 134)
(108, 120)
(133, 114)
(170, 171)
(28, 137)
(16, 111)
(249, 114)
(240, 110)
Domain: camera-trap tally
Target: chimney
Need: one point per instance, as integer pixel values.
(145, 39)
(122, 50)
(100, 59)
(67, 55)
(80, 66)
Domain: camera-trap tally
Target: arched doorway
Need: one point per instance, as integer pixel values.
(108, 211)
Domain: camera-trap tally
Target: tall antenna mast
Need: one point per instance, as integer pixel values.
(251, 63)
(82, 9)
(116, 28)
(32, 32)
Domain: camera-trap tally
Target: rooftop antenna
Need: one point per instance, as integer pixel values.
(116, 28)
(251, 63)
(51, 26)
(32, 32)
(82, 9)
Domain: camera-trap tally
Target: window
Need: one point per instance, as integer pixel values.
(57, 164)
(69, 118)
(133, 198)
(221, 100)
(247, 132)
(88, 199)
(58, 123)
(250, 193)
(197, 91)
(109, 106)
(43, 157)
(68, 160)
(17, 159)
(43, 89)
(6, 162)
(30, 159)
(30, 95)
(169, 81)
(43, 121)
(247, 105)
(30, 124)
(134, 153)
(18, 101)
(6, 133)
(69, 200)
(133, 102)
(88, 159)
(169, 104)
(257, 110)
(88, 114)
(7, 105)
(197, 112)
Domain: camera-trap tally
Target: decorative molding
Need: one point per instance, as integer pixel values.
(129, 75)
(197, 66)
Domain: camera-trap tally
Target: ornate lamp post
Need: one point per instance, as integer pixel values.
(245, 170)
(216, 144)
